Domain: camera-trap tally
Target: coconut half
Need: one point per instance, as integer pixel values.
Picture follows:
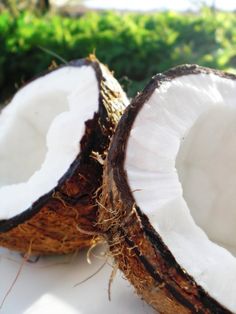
(169, 192)
(52, 135)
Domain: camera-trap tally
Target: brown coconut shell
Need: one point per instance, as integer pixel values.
(53, 223)
(136, 246)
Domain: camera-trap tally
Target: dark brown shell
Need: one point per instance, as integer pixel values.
(53, 223)
(138, 249)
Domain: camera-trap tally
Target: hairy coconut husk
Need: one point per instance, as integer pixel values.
(136, 246)
(53, 223)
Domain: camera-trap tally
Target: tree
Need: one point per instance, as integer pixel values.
(43, 5)
(204, 3)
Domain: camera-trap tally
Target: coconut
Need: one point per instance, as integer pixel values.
(54, 135)
(169, 192)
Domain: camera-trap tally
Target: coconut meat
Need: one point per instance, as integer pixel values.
(40, 133)
(180, 163)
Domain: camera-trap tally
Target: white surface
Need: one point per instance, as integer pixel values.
(161, 126)
(47, 287)
(40, 133)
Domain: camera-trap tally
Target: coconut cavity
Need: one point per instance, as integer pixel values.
(40, 132)
(180, 166)
(206, 167)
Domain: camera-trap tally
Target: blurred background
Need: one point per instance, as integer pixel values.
(136, 39)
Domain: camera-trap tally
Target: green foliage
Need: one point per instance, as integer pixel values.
(135, 46)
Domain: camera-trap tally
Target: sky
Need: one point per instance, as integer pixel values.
(147, 5)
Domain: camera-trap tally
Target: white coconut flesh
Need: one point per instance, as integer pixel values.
(181, 167)
(40, 133)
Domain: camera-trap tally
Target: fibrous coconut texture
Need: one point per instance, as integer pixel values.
(54, 135)
(169, 192)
